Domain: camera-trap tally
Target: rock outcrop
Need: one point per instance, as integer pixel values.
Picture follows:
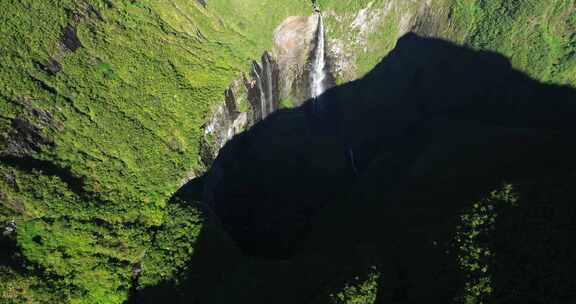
(293, 46)
(363, 38)
(263, 88)
(247, 101)
(27, 134)
(226, 121)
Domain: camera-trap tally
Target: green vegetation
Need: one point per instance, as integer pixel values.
(67, 240)
(361, 292)
(120, 121)
(475, 244)
(365, 31)
(286, 103)
(25, 288)
(96, 137)
(379, 44)
(537, 36)
(366, 46)
(346, 6)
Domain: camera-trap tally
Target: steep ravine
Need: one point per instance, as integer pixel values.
(108, 107)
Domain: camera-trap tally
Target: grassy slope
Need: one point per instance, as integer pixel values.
(339, 28)
(130, 105)
(538, 36)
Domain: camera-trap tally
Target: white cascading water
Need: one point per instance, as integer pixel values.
(352, 161)
(267, 71)
(318, 73)
(260, 84)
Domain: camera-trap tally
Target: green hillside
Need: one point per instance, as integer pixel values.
(101, 109)
(538, 36)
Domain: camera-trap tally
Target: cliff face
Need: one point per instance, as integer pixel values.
(247, 101)
(293, 46)
(281, 75)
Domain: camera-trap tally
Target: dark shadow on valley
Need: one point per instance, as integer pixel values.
(376, 172)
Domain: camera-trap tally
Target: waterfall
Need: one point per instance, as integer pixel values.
(352, 161)
(259, 83)
(318, 73)
(265, 85)
(268, 84)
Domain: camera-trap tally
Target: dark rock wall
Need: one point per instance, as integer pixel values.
(259, 91)
(263, 88)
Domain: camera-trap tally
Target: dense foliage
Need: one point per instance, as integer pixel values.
(101, 111)
(362, 291)
(538, 36)
(475, 244)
